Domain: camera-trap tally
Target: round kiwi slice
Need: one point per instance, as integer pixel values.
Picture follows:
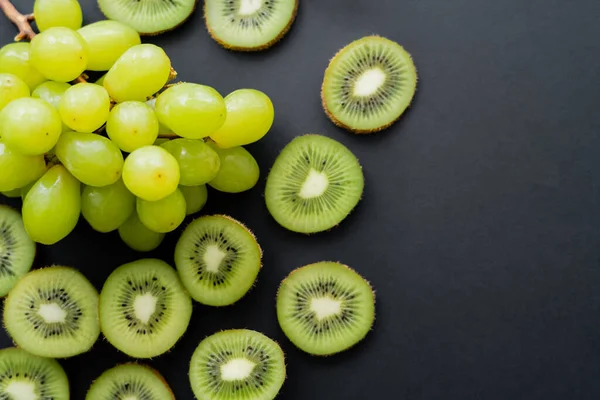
(218, 259)
(237, 364)
(17, 250)
(325, 307)
(249, 25)
(144, 309)
(314, 184)
(53, 312)
(368, 84)
(130, 381)
(148, 17)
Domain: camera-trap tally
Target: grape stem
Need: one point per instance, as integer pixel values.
(20, 20)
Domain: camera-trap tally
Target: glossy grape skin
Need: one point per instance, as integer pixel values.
(131, 125)
(198, 162)
(151, 173)
(108, 207)
(52, 206)
(107, 41)
(51, 13)
(91, 158)
(11, 88)
(51, 92)
(250, 115)
(25, 169)
(135, 235)
(164, 215)
(195, 198)
(59, 54)
(14, 59)
(30, 126)
(84, 107)
(191, 110)
(239, 170)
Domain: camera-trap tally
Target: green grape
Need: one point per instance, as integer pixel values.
(25, 189)
(30, 126)
(51, 92)
(14, 59)
(13, 194)
(191, 110)
(107, 41)
(91, 158)
(60, 54)
(164, 215)
(131, 125)
(239, 170)
(151, 173)
(195, 198)
(135, 235)
(84, 107)
(51, 13)
(139, 73)
(162, 128)
(52, 206)
(198, 163)
(23, 169)
(108, 207)
(100, 80)
(11, 88)
(250, 115)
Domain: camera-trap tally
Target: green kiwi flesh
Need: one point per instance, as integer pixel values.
(314, 184)
(325, 308)
(53, 312)
(144, 309)
(249, 25)
(130, 381)
(237, 364)
(368, 84)
(218, 259)
(17, 250)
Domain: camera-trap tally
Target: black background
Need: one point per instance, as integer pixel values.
(480, 223)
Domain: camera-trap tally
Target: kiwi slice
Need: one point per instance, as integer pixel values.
(249, 25)
(369, 84)
(237, 364)
(325, 308)
(144, 309)
(17, 250)
(148, 17)
(53, 312)
(130, 381)
(218, 259)
(314, 184)
(27, 376)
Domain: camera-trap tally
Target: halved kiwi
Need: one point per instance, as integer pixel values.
(130, 381)
(17, 250)
(368, 84)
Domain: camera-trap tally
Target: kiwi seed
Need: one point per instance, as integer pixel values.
(17, 250)
(130, 381)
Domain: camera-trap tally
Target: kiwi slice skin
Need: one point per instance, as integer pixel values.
(130, 380)
(345, 299)
(17, 250)
(335, 90)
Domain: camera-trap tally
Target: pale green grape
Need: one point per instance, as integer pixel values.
(13, 194)
(250, 115)
(107, 41)
(51, 92)
(52, 206)
(91, 158)
(51, 13)
(191, 110)
(23, 169)
(198, 163)
(108, 207)
(151, 173)
(14, 59)
(30, 126)
(60, 54)
(84, 107)
(135, 235)
(131, 125)
(164, 215)
(195, 198)
(11, 88)
(162, 129)
(100, 80)
(139, 73)
(239, 170)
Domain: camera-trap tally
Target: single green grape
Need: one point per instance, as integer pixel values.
(52, 13)
(11, 88)
(131, 125)
(100, 80)
(151, 173)
(84, 107)
(91, 158)
(135, 235)
(14, 59)
(108, 207)
(51, 92)
(195, 198)
(239, 170)
(23, 169)
(52, 206)
(191, 110)
(13, 194)
(250, 115)
(60, 54)
(107, 41)
(162, 128)
(140, 72)
(164, 215)
(198, 163)
(30, 126)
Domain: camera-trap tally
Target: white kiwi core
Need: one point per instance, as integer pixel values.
(237, 369)
(369, 82)
(314, 185)
(213, 258)
(52, 313)
(144, 306)
(325, 307)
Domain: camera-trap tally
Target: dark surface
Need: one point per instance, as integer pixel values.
(480, 224)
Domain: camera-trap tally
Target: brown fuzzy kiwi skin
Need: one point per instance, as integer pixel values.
(339, 123)
(265, 46)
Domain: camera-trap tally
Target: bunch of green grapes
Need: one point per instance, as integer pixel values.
(131, 152)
